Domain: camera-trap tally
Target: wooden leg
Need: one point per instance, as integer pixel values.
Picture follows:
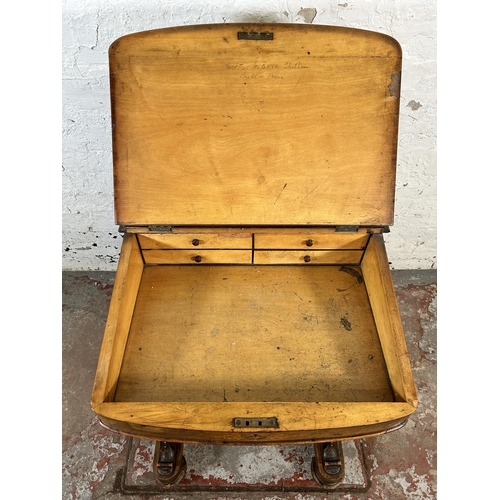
(169, 464)
(328, 464)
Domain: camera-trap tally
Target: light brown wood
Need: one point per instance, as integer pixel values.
(317, 241)
(192, 256)
(212, 130)
(227, 320)
(196, 240)
(307, 257)
(212, 422)
(386, 313)
(125, 289)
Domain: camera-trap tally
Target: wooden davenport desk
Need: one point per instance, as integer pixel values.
(254, 170)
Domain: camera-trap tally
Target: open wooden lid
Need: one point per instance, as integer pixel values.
(261, 124)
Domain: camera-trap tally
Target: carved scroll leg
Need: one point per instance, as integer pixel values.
(328, 464)
(169, 464)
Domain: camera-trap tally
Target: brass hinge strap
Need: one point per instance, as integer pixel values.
(145, 229)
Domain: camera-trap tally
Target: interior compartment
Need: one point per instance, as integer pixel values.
(253, 333)
(190, 347)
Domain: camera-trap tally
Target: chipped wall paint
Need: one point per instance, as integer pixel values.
(90, 238)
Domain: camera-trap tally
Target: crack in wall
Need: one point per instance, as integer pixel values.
(96, 32)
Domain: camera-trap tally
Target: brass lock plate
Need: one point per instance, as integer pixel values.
(262, 423)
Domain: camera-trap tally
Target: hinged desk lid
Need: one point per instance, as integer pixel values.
(272, 124)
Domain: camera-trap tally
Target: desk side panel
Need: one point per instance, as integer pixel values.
(127, 281)
(380, 288)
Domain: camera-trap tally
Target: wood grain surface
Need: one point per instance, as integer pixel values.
(210, 129)
(253, 333)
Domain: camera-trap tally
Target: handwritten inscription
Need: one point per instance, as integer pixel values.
(295, 65)
(267, 66)
(271, 71)
(255, 76)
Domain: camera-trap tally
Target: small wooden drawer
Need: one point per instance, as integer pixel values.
(195, 240)
(197, 257)
(348, 241)
(352, 257)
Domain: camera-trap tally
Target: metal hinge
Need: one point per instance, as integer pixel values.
(144, 229)
(346, 229)
(251, 35)
(355, 229)
(378, 230)
(158, 228)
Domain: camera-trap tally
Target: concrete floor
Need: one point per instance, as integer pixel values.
(100, 464)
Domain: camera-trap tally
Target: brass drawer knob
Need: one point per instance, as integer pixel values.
(198, 258)
(309, 243)
(307, 258)
(196, 242)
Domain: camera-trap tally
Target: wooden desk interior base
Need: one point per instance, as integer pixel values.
(253, 333)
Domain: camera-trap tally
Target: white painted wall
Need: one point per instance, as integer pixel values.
(90, 237)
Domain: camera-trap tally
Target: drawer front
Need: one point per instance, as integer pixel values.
(195, 240)
(305, 257)
(348, 241)
(197, 257)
